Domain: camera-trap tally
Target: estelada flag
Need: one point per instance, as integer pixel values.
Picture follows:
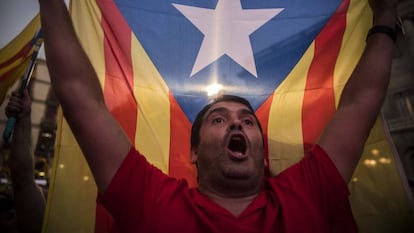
(15, 57)
(290, 59)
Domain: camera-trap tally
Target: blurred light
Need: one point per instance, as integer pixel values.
(214, 89)
(41, 182)
(47, 135)
(4, 180)
(370, 162)
(384, 160)
(85, 178)
(42, 174)
(355, 179)
(375, 152)
(62, 165)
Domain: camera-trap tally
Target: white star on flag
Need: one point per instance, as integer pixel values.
(226, 31)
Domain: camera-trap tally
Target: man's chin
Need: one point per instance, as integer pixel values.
(237, 173)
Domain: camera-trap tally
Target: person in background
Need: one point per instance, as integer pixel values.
(29, 201)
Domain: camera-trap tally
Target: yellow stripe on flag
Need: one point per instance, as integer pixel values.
(285, 118)
(153, 126)
(15, 56)
(86, 17)
(72, 192)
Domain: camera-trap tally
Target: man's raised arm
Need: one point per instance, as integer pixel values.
(77, 87)
(363, 95)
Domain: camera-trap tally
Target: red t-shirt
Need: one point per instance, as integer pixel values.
(310, 196)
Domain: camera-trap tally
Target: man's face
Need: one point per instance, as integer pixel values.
(231, 146)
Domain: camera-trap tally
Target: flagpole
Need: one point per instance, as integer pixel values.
(11, 121)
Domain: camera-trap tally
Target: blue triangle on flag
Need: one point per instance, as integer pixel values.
(173, 43)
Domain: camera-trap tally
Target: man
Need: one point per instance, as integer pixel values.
(29, 200)
(226, 146)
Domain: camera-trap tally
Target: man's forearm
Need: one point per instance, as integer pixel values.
(369, 81)
(362, 97)
(69, 67)
(75, 83)
(30, 207)
(28, 198)
(21, 158)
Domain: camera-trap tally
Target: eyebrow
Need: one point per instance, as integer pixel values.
(223, 109)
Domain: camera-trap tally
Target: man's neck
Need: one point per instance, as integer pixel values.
(235, 205)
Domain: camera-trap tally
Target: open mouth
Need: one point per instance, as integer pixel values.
(237, 146)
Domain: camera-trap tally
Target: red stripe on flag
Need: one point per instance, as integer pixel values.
(9, 74)
(262, 114)
(118, 89)
(319, 99)
(180, 129)
(24, 52)
(119, 80)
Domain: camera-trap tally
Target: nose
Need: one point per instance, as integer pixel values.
(236, 125)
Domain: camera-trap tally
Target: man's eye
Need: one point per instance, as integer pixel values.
(218, 120)
(248, 122)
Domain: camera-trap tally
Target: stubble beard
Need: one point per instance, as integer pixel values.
(235, 179)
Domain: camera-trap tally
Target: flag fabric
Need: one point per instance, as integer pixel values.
(155, 60)
(15, 57)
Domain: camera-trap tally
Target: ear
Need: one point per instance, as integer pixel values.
(194, 155)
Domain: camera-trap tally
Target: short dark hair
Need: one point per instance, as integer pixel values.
(195, 129)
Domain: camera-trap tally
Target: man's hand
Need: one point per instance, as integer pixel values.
(19, 106)
(385, 12)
